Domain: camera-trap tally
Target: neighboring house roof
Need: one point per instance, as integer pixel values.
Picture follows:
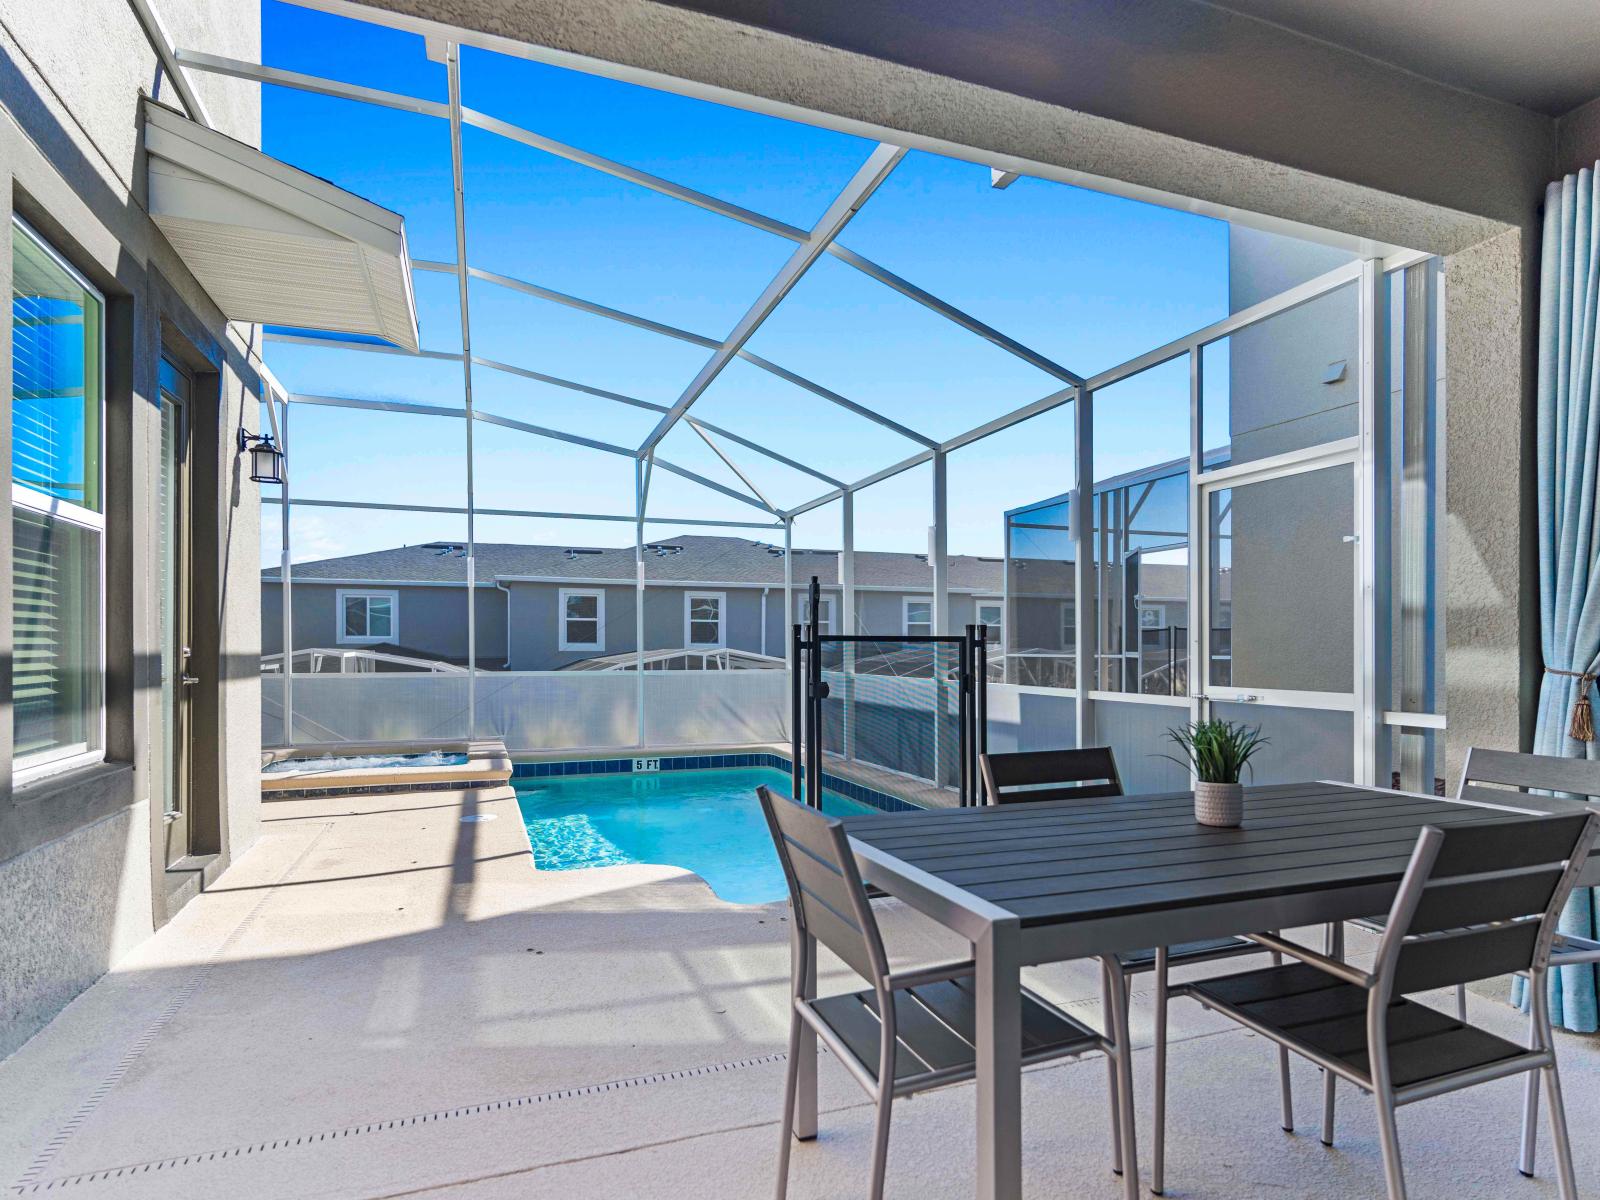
(692, 558)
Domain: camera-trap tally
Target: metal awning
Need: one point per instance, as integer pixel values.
(272, 244)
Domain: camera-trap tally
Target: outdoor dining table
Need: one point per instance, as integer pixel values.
(1052, 881)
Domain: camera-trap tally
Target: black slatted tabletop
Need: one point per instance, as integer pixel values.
(1075, 860)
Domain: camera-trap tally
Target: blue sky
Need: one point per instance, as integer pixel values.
(1084, 278)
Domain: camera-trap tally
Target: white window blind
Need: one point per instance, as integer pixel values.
(58, 667)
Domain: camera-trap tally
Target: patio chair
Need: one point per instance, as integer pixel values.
(1500, 777)
(1091, 773)
(910, 1031)
(1475, 902)
(1086, 774)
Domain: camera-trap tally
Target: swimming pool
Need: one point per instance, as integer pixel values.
(708, 822)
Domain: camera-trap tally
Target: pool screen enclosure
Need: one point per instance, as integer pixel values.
(1257, 486)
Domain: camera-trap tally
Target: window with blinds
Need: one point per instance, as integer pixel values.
(58, 527)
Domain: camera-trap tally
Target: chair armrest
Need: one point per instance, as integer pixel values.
(1340, 970)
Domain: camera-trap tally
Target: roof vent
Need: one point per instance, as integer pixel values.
(662, 550)
(574, 551)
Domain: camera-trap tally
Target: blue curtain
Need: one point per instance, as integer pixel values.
(1569, 534)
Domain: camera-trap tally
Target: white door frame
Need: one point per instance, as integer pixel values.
(1346, 452)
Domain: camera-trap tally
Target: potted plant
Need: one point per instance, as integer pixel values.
(1218, 752)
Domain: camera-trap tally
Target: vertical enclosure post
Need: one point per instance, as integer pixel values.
(1368, 472)
(939, 546)
(457, 173)
(641, 499)
(285, 580)
(1083, 600)
(1198, 672)
(848, 623)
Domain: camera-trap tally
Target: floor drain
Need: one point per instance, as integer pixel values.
(28, 1187)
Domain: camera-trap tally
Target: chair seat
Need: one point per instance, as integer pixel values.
(1190, 952)
(1309, 1009)
(935, 1026)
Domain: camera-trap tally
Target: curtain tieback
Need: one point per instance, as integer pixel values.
(1581, 728)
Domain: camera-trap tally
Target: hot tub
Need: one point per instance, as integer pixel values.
(383, 767)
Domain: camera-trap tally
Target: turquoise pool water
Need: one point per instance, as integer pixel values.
(708, 822)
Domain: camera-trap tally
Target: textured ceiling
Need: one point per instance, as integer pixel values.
(1539, 54)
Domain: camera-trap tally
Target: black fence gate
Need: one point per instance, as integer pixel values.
(912, 706)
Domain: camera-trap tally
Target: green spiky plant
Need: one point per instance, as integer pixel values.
(1218, 751)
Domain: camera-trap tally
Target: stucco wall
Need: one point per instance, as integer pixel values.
(1579, 139)
(68, 911)
(1491, 564)
(83, 872)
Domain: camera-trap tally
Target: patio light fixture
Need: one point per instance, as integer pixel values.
(266, 460)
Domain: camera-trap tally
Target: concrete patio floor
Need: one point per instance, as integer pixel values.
(382, 1000)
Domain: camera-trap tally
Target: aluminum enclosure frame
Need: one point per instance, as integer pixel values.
(1368, 460)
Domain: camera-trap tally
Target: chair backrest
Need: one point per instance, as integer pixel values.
(825, 889)
(1504, 777)
(1488, 774)
(1084, 774)
(1479, 901)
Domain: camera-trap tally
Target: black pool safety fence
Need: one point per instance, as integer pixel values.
(911, 705)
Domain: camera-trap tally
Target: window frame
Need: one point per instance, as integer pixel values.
(562, 641)
(722, 620)
(905, 615)
(997, 634)
(825, 605)
(344, 639)
(26, 769)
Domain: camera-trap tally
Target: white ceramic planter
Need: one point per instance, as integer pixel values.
(1220, 804)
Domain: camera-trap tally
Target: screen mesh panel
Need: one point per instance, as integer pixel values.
(894, 704)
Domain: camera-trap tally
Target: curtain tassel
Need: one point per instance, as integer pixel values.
(1581, 728)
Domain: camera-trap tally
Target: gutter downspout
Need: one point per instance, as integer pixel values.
(764, 592)
(502, 587)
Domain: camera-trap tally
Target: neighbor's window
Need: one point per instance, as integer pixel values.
(824, 613)
(703, 613)
(991, 615)
(918, 612)
(57, 515)
(366, 617)
(583, 616)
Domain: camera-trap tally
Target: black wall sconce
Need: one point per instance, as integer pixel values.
(266, 460)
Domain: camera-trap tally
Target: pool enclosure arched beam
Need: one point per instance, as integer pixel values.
(867, 179)
(683, 335)
(460, 511)
(340, 90)
(555, 381)
(488, 418)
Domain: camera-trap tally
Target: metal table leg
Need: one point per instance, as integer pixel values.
(999, 1065)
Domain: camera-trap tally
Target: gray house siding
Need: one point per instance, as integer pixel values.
(432, 616)
(430, 619)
